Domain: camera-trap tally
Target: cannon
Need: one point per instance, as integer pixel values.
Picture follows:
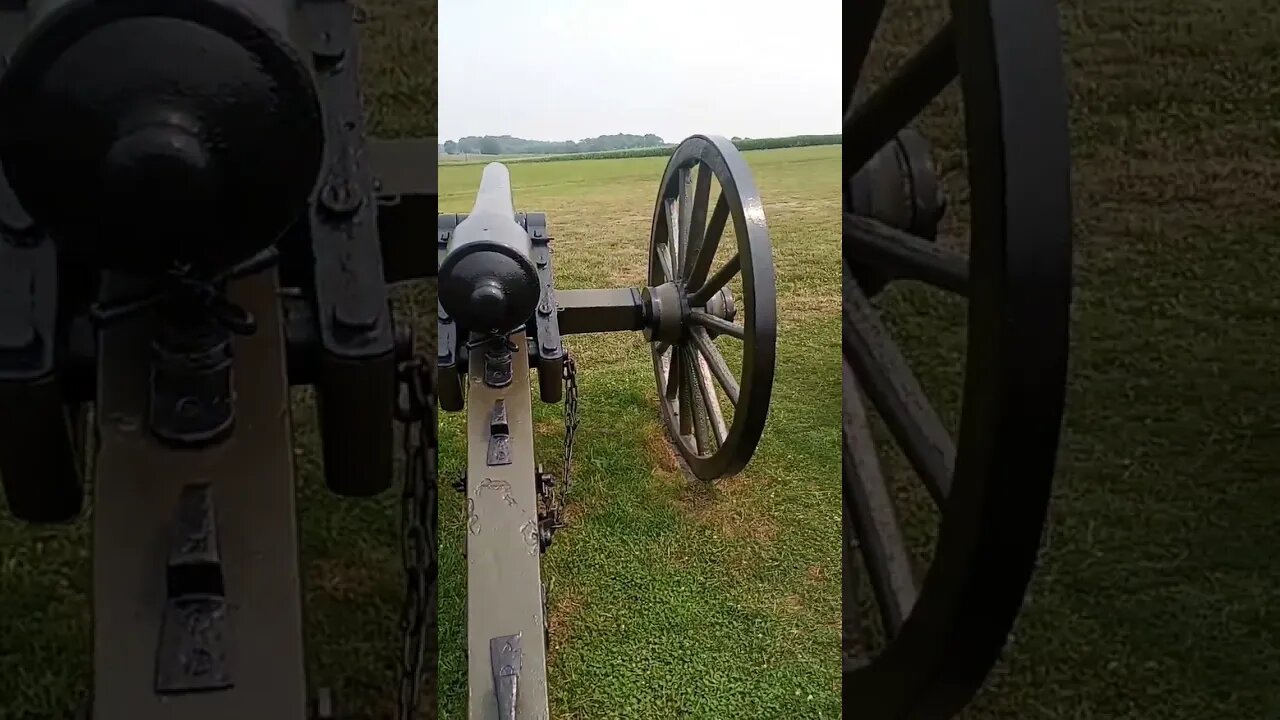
(938, 626)
(708, 312)
(192, 220)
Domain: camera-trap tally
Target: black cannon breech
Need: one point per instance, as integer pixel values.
(147, 133)
(487, 281)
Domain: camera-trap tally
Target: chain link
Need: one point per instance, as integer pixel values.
(570, 415)
(418, 538)
(555, 492)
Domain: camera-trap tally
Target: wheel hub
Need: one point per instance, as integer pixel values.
(667, 310)
(900, 186)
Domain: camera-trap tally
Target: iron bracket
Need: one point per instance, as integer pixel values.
(548, 348)
(356, 370)
(195, 634)
(505, 655)
(499, 435)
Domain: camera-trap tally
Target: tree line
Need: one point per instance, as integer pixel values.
(508, 145)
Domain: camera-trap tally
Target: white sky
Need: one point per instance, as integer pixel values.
(571, 69)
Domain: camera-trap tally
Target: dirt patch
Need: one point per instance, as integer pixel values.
(816, 574)
(659, 448)
(565, 607)
(576, 509)
(729, 507)
(788, 605)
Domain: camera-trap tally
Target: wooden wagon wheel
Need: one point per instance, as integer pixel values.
(690, 306)
(942, 633)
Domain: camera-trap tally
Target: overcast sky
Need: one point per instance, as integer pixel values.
(572, 69)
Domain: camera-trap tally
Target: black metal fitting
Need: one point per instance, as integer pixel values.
(191, 396)
(497, 366)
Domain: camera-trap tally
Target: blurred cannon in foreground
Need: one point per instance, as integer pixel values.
(192, 220)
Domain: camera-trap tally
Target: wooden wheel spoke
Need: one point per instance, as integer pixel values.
(710, 242)
(684, 210)
(872, 514)
(719, 368)
(685, 389)
(664, 261)
(673, 237)
(869, 125)
(895, 392)
(720, 325)
(697, 406)
(671, 374)
(706, 387)
(853, 640)
(903, 255)
(857, 42)
(697, 226)
(717, 281)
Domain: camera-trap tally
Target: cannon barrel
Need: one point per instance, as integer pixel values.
(147, 133)
(487, 281)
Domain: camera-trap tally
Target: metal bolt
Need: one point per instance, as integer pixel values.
(340, 197)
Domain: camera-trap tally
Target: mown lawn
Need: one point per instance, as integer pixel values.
(1156, 593)
(670, 597)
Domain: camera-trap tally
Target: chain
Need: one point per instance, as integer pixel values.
(570, 415)
(554, 491)
(417, 413)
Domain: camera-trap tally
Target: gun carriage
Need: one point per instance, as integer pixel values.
(938, 628)
(502, 319)
(192, 221)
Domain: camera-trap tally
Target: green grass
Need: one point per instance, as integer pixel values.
(1156, 593)
(670, 598)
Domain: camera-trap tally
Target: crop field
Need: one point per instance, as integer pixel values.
(670, 597)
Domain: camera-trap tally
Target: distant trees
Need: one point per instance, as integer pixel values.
(508, 145)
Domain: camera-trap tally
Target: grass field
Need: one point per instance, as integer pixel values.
(1156, 593)
(670, 598)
